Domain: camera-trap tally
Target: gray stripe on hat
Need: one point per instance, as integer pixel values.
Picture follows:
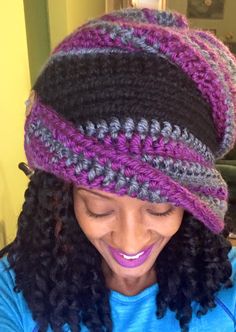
(184, 172)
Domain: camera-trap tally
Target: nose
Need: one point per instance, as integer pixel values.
(130, 235)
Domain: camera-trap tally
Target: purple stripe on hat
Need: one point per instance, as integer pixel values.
(68, 155)
(41, 158)
(66, 133)
(162, 146)
(171, 43)
(96, 37)
(145, 15)
(166, 147)
(157, 181)
(150, 15)
(113, 18)
(221, 51)
(169, 166)
(215, 42)
(195, 66)
(217, 192)
(216, 60)
(222, 67)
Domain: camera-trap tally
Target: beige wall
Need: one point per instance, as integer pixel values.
(14, 89)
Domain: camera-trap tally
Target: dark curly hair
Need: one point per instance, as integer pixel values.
(59, 270)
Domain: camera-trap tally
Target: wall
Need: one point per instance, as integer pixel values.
(14, 88)
(23, 22)
(36, 20)
(78, 12)
(223, 27)
(57, 19)
(66, 15)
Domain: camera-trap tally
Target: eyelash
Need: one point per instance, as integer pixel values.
(94, 215)
(164, 214)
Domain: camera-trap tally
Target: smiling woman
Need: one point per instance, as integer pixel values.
(128, 233)
(123, 224)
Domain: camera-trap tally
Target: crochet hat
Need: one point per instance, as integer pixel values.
(136, 103)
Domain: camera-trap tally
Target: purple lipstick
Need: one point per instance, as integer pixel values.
(130, 261)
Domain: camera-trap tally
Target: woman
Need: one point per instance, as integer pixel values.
(122, 228)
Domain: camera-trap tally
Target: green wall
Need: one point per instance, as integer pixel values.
(49, 21)
(83, 10)
(66, 15)
(36, 21)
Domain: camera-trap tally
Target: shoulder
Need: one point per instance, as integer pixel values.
(5, 267)
(14, 312)
(221, 318)
(232, 258)
(226, 298)
(7, 276)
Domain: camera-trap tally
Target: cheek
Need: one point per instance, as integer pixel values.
(169, 226)
(90, 228)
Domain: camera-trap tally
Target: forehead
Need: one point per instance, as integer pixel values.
(96, 193)
(111, 197)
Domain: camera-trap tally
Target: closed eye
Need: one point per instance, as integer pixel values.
(102, 215)
(95, 215)
(163, 214)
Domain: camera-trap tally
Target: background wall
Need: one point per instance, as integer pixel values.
(37, 31)
(14, 88)
(67, 15)
(222, 26)
(78, 12)
(28, 30)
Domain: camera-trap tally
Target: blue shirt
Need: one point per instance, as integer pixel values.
(129, 313)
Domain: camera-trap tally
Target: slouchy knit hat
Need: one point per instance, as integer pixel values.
(136, 103)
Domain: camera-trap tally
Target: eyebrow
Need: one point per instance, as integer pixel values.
(95, 193)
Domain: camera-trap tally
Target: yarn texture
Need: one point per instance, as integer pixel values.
(153, 108)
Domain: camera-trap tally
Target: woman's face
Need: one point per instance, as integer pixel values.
(129, 233)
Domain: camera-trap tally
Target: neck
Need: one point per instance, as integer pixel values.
(128, 285)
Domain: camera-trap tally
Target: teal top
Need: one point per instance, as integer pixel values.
(129, 313)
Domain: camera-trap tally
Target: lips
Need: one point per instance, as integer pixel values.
(130, 261)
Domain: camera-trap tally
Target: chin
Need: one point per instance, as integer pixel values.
(132, 272)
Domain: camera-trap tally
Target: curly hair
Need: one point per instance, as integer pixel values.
(59, 271)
